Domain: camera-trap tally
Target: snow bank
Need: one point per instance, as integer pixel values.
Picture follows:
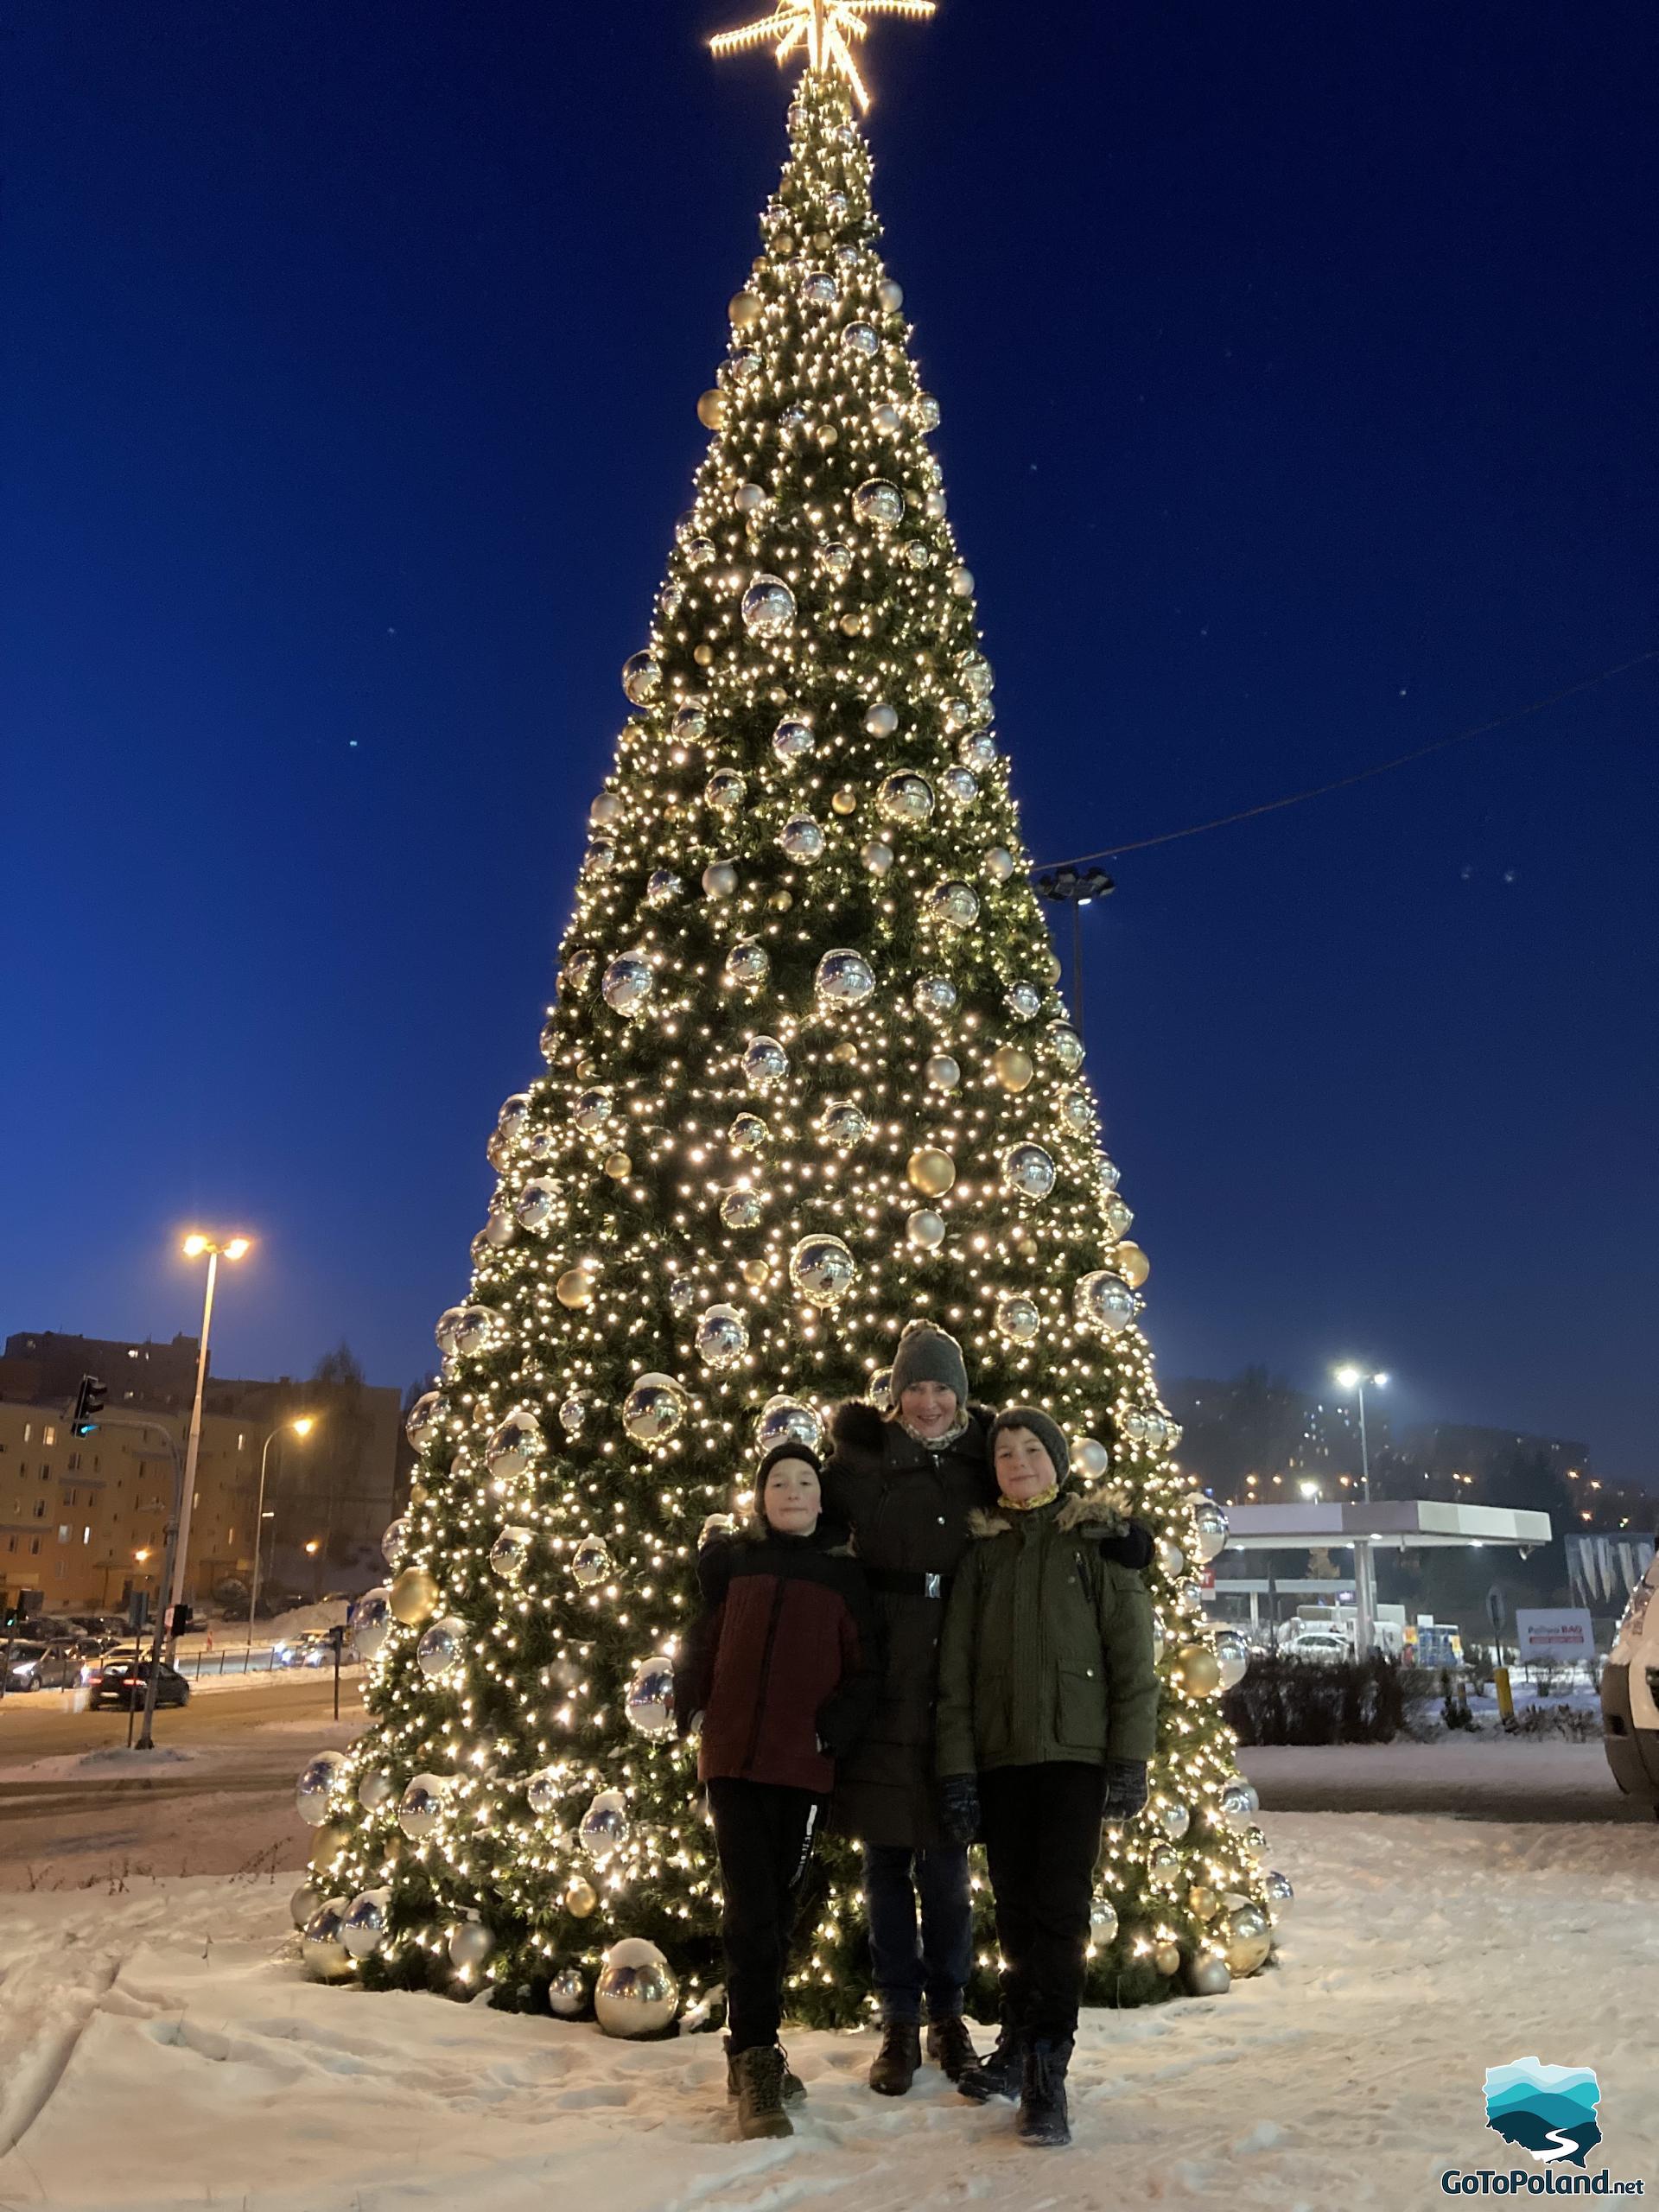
(323, 1615)
(110, 1760)
(159, 2049)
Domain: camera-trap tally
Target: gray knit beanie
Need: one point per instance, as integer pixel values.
(926, 1354)
(1048, 1431)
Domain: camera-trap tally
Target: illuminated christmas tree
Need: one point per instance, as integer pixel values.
(807, 1075)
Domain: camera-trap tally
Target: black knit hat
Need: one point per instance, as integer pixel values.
(928, 1354)
(785, 1451)
(1046, 1430)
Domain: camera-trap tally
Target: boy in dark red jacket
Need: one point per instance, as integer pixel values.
(781, 1670)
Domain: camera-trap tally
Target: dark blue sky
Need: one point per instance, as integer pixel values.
(1298, 365)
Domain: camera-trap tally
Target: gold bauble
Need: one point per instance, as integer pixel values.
(932, 1171)
(756, 1272)
(1132, 1264)
(1202, 1903)
(1250, 1940)
(618, 1166)
(413, 1596)
(745, 309)
(1198, 1670)
(845, 1052)
(703, 655)
(417, 1493)
(1166, 1957)
(326, 1846)
(851, 624)
(781, 901)
(1013, 1068)
(579, 1896)
(829, 434)
(711, 410)
(1052, 968)
(574, 1287)
(845, 800)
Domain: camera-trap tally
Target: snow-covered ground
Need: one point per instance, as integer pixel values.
(159, 2049)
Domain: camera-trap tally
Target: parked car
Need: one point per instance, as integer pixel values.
(1326, 1643)
(1629, 1695)
(123, 1683)
(54, 1666)
(313, 1647)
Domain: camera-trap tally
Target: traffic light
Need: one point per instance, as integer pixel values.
(89, 1404)
(178, 1619)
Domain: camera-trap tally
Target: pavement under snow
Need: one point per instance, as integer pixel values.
(159, 2048)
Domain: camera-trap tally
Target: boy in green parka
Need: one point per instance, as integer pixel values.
(1047, 1717)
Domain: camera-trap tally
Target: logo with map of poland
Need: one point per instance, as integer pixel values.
(1546, 2111)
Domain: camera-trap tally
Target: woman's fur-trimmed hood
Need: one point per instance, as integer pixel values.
(1091, 1513)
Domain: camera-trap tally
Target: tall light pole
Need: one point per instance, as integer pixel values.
(302, 1426)
(195, 1244)
(1077, 888)
(1355, 1379)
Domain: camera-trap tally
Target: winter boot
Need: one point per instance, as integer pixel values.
(950, 2046)
(761, 2092)
(999, 2075)
(1043, 2119)
(894, 2068)
(794, 2088)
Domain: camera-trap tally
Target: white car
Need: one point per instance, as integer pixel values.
(1629, 1715)
(1327, 1643)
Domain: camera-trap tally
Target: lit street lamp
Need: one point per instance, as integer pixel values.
(1349, 1377)
(1077, 888)
(302, 1426)
(195, 1245)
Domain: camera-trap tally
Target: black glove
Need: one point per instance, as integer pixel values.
(959, 1807)
(1126, 1788)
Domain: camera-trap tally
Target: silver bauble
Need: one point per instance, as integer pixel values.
(649, 1702)
(935, 996)
(719, 880)
(363, 1926)
(653, 1408)
(1103, 1923)
(445, 1327)
(516, 1446)
(822, 1269)
(592, 1110)
(942, 1071)
(572, 1413)
(904, 797)
(723, 1337)
(1089, 1458)
(319, 1779)
(442, 1647)
(926, 1229)
(627, 983)
(1174, 1818)
(470, 1946)
(324, 1957)
(1277, 1888)
(860, 338)
(747, 964)
(537, 1204)
(636, 1993)
(510, 1554)
(475, 1330)
(880, 502)
(725, 790)
(1018, 1318)
(1239, 1806)
(1066, 1046)
(424, 1422)
(1024, 1000)
(566, 1992)
(953, 905)
(998, 863)
(1208, 1976)
(767, 607)
(748, 1133)
(370, 1621)
(1210, 1522)
(960, 786)
(787, 1420)
(1027, 1170)
(303, 1902)
(843, 978)
(1250, 1940)
(792, 740)
(1233, 1654)
(543, 1792)
(742, 1208)
(843, 1124)
(605, 1824)
(1103, 1302)
(642, 678)
(878, 857)
(421, 1805)
(375, 1790)
(881, 720)
(394, 1542)
(764, 1062)
(975, 676)
(802, 839)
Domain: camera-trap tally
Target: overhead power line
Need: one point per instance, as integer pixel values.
(1362, 775)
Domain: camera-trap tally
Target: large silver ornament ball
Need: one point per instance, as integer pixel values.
(905, 798)
(375, 1790)
(653, 1410)
(792, 740)
(566, 1992)
(1018, 1318)
(1250, 1940)
(303, 1902)
(723, 1337)
(1103, 1923)
(477, 1330)
(747, 964)
(590, 1562)
(510, 1554)
(650, 1703)
(442, 1647)
(425, 1421)
(1103, 1302)
(822, 1269)
(880, 502)
(1233, 1655)
(768, 607)
(1066, 1046)
(1208, 1976)
(953, 905)
(319, 1779)
(363, 1928)
(370, 1621)
(1211, 1521)
(935, 996)
(1239, 1806)
(1027, 1170)
(636, 1993)
(516, 1446)
(642, 678)
(627, 983)
(764, 1062)
(788, 1421)
(925, 1229)
(725, 790)
(324, 1957)
(470, 1946)
(843, 978)
(802, 838)
(605, 1824)
(1276, 1888)
(537, 1204)
(843, 1124)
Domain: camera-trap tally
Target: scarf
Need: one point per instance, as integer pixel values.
(1029, 1504)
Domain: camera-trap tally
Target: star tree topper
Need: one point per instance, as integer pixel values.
(825, 28)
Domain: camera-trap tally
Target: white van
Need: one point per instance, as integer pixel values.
(1629, 1716)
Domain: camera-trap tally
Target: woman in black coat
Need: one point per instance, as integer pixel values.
(905, 1483)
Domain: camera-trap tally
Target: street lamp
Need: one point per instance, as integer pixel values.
(302, 1426)
(1349, 1377)
(1077, 888)
(195, 1244)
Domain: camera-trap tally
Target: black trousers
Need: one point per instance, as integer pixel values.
(764, 1833)
(1042, 1838)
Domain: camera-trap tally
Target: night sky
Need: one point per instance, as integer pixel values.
(1298, 365)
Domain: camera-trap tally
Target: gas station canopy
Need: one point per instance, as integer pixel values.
(1386, 1523)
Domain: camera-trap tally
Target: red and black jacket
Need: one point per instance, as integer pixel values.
(782, 1663)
